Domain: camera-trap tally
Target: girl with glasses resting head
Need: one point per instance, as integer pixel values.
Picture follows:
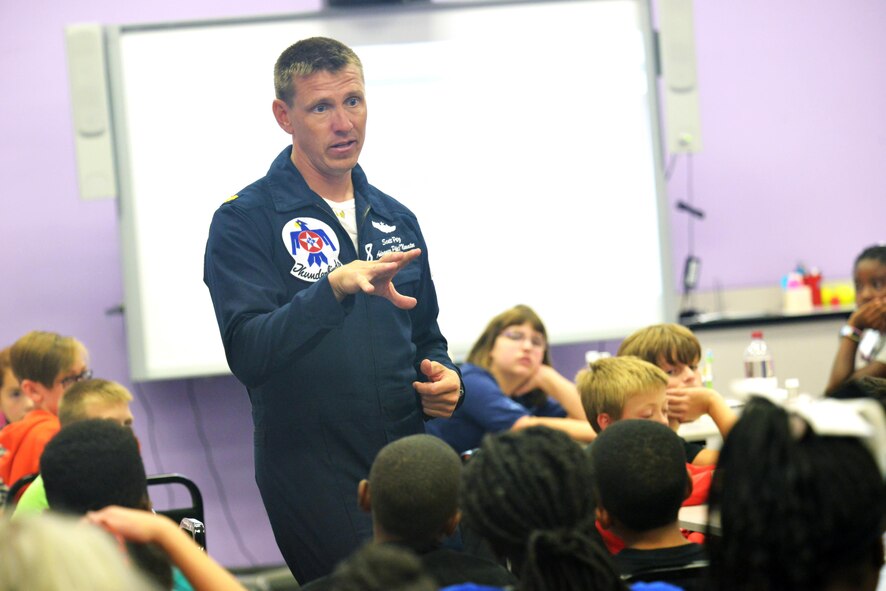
(511, 385)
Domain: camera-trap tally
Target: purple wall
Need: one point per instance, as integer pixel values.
(794, 139)
(793, 133)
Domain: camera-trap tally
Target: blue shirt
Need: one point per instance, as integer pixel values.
(486, 409)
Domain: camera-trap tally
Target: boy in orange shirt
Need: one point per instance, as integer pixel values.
(46, 364)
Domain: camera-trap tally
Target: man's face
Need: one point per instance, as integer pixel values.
(327, 121)
(13, 402)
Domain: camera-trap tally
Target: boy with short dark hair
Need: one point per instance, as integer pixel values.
(641, 482)
(46, 364)
(92, 464)
(616, 388)
(96, 463)
(412, 495)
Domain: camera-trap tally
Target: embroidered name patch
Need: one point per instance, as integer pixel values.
(313, 246)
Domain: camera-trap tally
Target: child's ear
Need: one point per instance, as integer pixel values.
(603, 517)
(604, 420)
(32, 390)
(364, 498)
(451, 524)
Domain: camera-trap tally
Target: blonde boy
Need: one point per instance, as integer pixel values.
(674, 349)
(46, 365)
(616, 388)
(96, 399)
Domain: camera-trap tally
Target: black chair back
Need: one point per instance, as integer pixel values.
(193, 511)
(16, 490)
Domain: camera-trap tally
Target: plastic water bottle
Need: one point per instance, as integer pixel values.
(757, 359)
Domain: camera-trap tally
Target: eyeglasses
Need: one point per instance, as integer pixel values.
(517, 336)
(86, 374)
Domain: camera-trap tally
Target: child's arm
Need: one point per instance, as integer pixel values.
(549, 380)
(688, 404)
(578, 430)
(871, 315)
(202, 572)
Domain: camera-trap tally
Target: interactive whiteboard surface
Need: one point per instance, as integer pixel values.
(523, 135)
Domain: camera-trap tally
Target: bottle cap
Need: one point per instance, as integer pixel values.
(757, 334)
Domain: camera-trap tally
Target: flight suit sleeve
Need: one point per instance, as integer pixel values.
(262, 324)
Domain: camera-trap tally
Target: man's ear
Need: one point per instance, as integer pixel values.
(604, 420)
(33, 390)
(364, 498)
(281, 114)
(603, 517)
(689, 485)
(451, 524)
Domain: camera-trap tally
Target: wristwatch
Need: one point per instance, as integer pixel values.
(850, 332)
(461, 394)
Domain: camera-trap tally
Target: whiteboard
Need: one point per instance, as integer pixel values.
(523, 135)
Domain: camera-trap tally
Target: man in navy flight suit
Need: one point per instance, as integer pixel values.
(327, 312)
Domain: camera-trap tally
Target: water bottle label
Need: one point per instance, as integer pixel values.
(758, 368)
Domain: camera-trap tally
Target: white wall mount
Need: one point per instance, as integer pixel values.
(677, 51)
(93, 140)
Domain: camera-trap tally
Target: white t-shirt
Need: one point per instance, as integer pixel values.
(346, 214)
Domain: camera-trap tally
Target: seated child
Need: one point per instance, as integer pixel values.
(798, 510)
(674, 349)
(59, 553)
(14, 405)
(412, 494)
(616, 388)
(46, 364)
(89, 399)
(641, 481)
(96, 463)
(512, 385)
(529, 494)
(381, 568)
(869, 318)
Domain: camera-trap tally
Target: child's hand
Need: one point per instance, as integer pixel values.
(688, 404)
(537, 381)
(870, 315)
(132, 524)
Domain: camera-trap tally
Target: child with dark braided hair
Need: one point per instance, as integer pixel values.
(530, 495)
(798, 510)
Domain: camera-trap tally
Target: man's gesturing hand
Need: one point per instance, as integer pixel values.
(439, 395)
(374, 277)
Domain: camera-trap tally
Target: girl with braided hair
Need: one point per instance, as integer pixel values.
(798, 510)
(530, 495)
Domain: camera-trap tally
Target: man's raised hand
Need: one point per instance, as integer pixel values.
(374, 278)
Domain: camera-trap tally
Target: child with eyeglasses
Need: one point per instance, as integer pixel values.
(511, 385)
(46, 365)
